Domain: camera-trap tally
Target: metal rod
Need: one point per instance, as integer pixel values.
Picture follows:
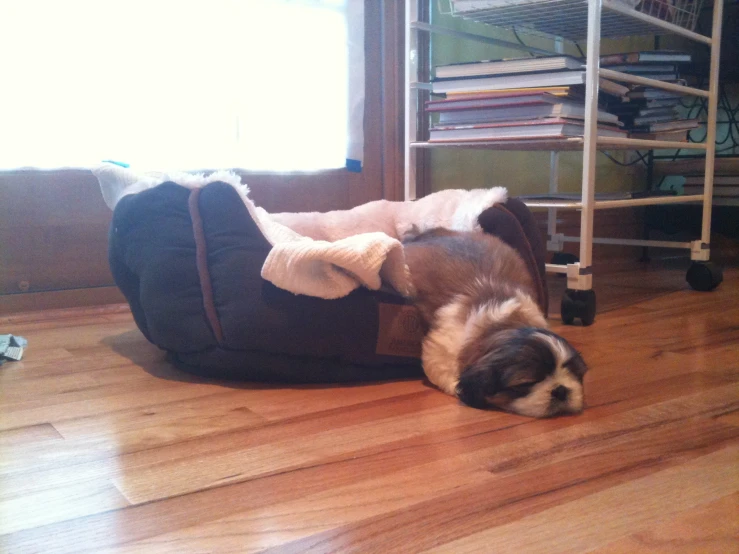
(479, 38)
(718, 11)
(556, 268)
(649, 201)
(574, 143)
(610, 204)
(411, 99)
(635, 79)
(591, 131)
(634, 242)
(649, 144)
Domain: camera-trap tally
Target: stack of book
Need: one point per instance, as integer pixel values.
(725, 188)
(651, 113)
(516, 99)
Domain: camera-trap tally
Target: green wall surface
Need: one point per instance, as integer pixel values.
(523, 172)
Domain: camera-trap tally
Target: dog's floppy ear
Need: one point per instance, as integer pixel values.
(478, 382)
(577, 366)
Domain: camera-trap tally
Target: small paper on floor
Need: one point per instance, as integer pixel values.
(11, 348)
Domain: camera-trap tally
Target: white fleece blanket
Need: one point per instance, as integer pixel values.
(328, 255)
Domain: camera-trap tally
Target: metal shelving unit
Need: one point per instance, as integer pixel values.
(591, 20)
(571, 18)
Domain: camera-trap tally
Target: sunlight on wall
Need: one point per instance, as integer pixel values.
(167, 84)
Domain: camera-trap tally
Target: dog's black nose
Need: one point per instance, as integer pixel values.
(561, 393)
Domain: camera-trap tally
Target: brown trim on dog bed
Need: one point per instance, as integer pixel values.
(520, 241)
(201, 260)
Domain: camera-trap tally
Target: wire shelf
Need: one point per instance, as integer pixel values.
(561, 144)
(569, 18)
(613, 204)
(683, 13)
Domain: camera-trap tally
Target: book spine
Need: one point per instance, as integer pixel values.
(617, 59)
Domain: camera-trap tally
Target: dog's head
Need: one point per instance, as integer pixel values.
(529, 371)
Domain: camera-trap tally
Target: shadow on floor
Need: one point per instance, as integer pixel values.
(133, 346)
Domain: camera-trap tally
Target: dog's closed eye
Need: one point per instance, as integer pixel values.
(521, 389)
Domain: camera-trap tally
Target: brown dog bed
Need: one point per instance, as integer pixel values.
(189, 262)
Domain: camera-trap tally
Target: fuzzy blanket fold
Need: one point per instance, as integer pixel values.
(328, 255)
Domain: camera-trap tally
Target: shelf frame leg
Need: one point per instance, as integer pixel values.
(411, 99)
(584, 279)
(713, 92)
(554, 244)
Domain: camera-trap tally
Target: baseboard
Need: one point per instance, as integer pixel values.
(59, 299)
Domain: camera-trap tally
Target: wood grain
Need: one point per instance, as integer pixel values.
(106, 448)
(614, 512)
(711, 527)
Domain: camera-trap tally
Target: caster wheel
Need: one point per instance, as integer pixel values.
(578, 304)
(563, 258)
(704, 276)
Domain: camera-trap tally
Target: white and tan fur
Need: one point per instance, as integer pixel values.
(486, 336)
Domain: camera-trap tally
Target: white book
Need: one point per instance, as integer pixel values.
(556, 78)
(523, 80)
(509, 66)
(541, 128)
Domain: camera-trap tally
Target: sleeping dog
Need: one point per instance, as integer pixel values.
(486, 338)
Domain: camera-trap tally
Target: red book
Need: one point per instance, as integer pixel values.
(491, 101)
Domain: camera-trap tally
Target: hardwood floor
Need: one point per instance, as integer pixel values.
(105, 448)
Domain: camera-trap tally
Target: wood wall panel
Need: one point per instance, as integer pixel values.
(53, 232)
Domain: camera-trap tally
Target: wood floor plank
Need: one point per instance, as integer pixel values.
(614, 512)
(710, 528)
(70, 387)
(402, 491)
(32, 435)
(88, 439)
(242, 453)
(631, 418)
(54, 316)
(485, 504)
(280, 403)
(244, 462)
(59, 362)
(176, 421)
(61, 504)
(731, 417)
(127, 395)
(474, 455)
(104, 447)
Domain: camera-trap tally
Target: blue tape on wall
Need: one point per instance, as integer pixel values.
(122, 164)
(355, 166)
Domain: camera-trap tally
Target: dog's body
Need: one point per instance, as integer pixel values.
(486, 338)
